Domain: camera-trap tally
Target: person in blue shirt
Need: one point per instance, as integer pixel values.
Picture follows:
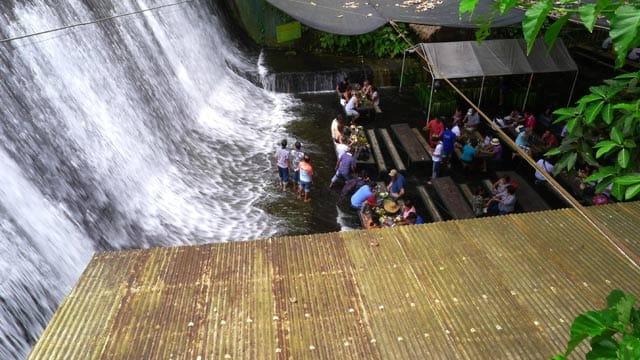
(414, 219)
(448, 138)
(469, 151)
(396, 185)
(361, 195)
(522, 140)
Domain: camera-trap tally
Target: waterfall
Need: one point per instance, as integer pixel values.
(135, 132)
(302, 73)
(311, 81)
(298, 75)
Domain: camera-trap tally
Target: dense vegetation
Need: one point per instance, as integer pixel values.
(384, 42)
(604, 131)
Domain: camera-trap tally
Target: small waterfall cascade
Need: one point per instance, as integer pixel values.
(129, 133)
(294, 75)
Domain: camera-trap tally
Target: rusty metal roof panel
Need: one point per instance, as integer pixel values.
(623, 220)
(495, 288)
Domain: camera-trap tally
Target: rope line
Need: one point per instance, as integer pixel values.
(92, 22)
(592, 220)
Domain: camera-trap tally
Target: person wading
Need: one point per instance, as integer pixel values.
(282, 161)
(306, 178)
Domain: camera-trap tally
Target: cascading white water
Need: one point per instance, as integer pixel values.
(131, 133)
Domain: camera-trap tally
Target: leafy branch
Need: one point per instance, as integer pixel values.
(604, 132)
(613, 332)
(624, 19)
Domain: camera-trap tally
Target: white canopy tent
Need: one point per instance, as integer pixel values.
(465, 59)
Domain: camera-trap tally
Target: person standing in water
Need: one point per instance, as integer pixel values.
(282, 161)
(306, 178)
(295, 157)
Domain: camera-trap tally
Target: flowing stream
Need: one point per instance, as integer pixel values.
(132, 133)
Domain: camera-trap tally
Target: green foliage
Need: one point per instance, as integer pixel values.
(625, 30)
(613, 332)
(553, 30)
(444, 100)
(534, 18)
(604, 130)
(384, 42)
(624, 18)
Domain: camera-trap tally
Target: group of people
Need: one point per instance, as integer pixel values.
(366, 198)
(441, 140)
(351, 96)
(488, 150)
(395, 188)
(501, 201)
(444, 138)
(403, 212)
(296, 161)
(526, 138)
(476, 151)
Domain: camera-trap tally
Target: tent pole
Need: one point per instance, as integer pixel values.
(404, 56)
(481, 90)
(575, 79)
(433, 80)
(526, 96)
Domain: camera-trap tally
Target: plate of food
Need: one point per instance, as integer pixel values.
(384, 194)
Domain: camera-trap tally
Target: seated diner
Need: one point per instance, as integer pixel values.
(350, 108)
(471, 120)
(396, 184)
(342, 87)
(491, 153)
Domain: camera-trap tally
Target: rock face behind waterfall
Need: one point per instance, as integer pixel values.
(140, 131)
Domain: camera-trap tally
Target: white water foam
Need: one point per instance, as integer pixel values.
(132, 133)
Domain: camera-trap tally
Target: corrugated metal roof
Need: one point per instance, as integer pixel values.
(496, 288)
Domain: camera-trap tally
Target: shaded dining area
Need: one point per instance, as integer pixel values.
(471, 62)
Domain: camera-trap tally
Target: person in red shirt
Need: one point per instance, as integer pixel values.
(529, 120)
(549, 140)
(435, 127)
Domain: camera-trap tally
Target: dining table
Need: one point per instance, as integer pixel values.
(386, 219)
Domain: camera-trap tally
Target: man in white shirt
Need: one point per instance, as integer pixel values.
(456, 129)
(547, 166)
(436, 157)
